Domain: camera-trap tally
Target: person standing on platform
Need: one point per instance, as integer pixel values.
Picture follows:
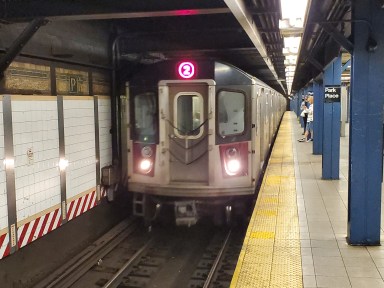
(308, 136)
(304, 112)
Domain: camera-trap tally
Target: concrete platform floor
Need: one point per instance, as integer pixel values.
(327, 259)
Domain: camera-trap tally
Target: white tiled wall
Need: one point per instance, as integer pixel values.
(37, 177)
(79, 130)
(3, 190)
(105, 136)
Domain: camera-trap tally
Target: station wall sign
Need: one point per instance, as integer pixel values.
(332, 93)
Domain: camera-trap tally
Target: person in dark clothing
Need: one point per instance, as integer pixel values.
(304, 114)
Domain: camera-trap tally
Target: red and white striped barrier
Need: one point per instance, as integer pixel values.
(4, 245)
(39, 227)
(103, 192)
(81, 205)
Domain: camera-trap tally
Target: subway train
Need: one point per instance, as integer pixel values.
(196, 135)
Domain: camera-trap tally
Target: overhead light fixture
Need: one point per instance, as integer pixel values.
(290, 51)
(291, 57)
(292, 42)
(291, 24)
(293, 11)
(290, 68)
(291, 28)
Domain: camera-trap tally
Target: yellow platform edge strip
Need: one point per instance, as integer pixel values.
(271, 254)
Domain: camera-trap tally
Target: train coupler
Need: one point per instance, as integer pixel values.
(186, 213)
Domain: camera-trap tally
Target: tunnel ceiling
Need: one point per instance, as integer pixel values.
(155, 30)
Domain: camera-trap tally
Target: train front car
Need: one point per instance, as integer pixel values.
(192, 140)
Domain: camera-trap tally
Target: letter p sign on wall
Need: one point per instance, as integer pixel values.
(73, 85)
(332, 94)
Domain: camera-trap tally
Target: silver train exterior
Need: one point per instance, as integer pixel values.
(196, 135)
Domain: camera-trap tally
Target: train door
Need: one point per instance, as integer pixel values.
(272, 123)
(266, 123)
(262, 127)
(255, 132)
(188, 133)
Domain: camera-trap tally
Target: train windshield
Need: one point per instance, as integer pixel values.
(145, 117)
(231, 115)
(189, 114)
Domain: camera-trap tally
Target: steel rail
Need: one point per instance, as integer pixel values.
(71, 271)
(217, 261)
(116, 279)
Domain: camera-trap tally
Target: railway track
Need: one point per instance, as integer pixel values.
(130, 256)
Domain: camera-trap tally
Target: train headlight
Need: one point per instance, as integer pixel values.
(233, 167)
(144, 159)
(145, 165)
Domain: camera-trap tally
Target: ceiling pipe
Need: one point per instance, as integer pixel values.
(19, 43)
(133, 15)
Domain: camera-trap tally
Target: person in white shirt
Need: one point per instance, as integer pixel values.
(309, 129)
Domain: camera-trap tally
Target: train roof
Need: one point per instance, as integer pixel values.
(222, 73)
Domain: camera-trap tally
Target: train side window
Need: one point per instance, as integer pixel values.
(231, 113)
(188, 115)
(145, 117)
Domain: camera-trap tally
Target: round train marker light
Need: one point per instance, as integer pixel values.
(186, 70)
(231, 152)
(146, 152)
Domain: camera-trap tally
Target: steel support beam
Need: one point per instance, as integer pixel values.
(331, 124)
(318, 111)
(9, 170)
(315, 63)
(19, 43)
(301, 95)
(346, 65)
(338, 37)
(366, 126)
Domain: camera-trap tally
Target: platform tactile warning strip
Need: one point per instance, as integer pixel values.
(271, 254)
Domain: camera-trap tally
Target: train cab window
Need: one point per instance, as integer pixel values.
(231, 113)
(188, 115)
(145, 118)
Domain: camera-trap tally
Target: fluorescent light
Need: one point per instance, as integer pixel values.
(291, 24)
(292, 42)
(294, 10)
(290, 61)
(290, 51)
(290, 68)
(291, 28)
(291, 57)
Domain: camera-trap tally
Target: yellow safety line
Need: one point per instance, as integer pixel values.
(271, 254)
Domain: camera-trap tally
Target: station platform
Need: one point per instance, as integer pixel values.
(297, 233)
